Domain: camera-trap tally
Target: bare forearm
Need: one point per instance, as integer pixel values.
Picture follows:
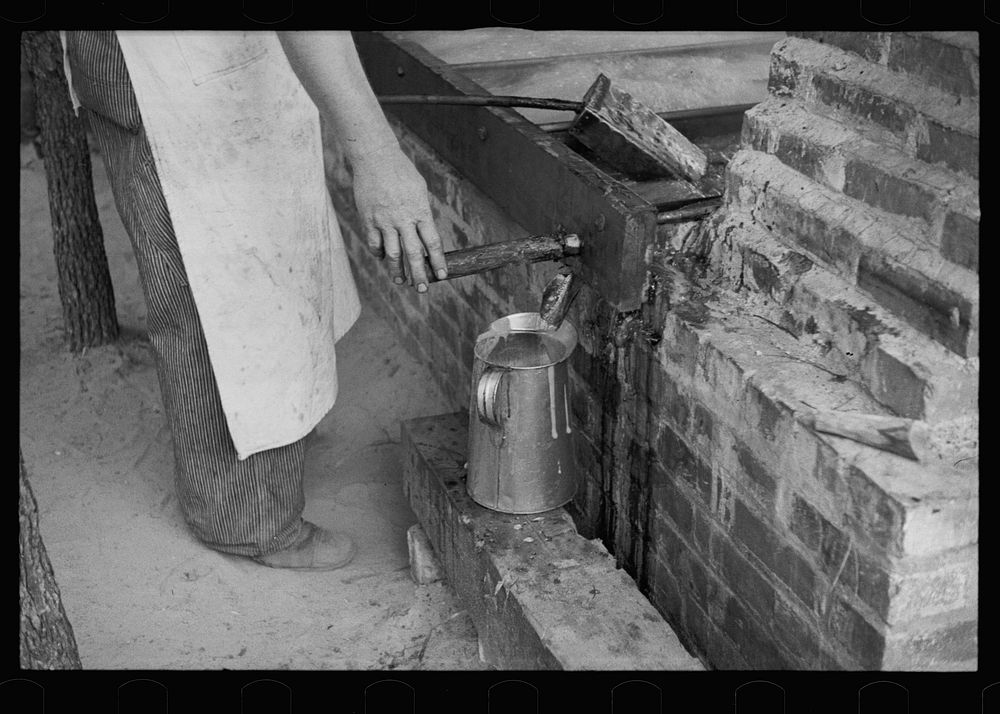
(328, 66)
(389, 194)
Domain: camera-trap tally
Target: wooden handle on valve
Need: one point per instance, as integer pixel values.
(532, 249)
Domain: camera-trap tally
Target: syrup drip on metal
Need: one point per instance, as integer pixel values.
(552, 400)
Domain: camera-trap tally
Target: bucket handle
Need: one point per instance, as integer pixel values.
(487, 391)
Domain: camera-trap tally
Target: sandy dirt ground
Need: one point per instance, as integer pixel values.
(139, 590)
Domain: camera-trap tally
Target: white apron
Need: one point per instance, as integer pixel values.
(237, 146)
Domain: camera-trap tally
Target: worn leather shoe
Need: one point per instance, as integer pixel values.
(315, 549)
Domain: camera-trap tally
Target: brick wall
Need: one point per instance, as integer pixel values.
(842, 273)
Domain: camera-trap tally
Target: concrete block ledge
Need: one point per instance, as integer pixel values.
(541, 595)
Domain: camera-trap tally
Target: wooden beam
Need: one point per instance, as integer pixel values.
(536, 179)
(762, 43)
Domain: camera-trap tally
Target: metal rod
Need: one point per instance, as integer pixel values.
(690, 212)
(483, 101)
(671, 116)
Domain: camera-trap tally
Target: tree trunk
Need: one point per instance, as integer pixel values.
(85, 290)
(47, 640)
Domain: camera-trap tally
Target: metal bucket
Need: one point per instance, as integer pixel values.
(521, 451)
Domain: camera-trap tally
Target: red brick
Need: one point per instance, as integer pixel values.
(909, 375)
(806, 523)
(695, 627)
(679, 461)
(797, 574)
(862, 102)
(872, 584)
(960, 241)
(696, 579)
(895, 384)
(955, 149)
(703, 426)
(448, 301)
(722, 652)
(437, 182)
(774, 419)
(665, 400)
(795, 152)
(873, 514)
(894, 102)
(886, 191)
(851, 630)
(758, 477)
(702, 532)
(946, 66)
(781, 560)
(666, 594)
(745, 580)
(825, 238)
(880, 175)
(857, 574)
(826, 470)
(680, 346)
(870, 45)
(755, 641)
(796, 633)
(889, 513)
(444, 329)
(924, 304)
(670, 501)
(468, 353)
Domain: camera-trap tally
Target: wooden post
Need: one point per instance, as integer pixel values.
(952, 442)
(47, 640)
(85, 289)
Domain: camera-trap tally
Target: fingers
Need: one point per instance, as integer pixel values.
(432, 242)
(393, 255)
(413, 250)
(373, 238)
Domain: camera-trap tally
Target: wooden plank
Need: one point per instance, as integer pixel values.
(764, 42)
(632, 137)
(668, 193)
(538, 181)
(541, 595)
